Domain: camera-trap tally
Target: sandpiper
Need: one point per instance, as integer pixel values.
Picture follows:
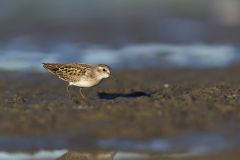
(81, 75)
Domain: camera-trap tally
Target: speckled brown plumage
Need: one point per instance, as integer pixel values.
(81, 75)
(70, 72)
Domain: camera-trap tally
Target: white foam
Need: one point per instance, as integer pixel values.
(40, 155)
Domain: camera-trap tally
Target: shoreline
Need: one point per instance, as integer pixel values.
(145, 104)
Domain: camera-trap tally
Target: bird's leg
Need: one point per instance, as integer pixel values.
(67, 89)
(81, 93)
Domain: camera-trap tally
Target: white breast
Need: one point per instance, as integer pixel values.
(83, 83)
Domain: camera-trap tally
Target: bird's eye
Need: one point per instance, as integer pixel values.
(104, 70)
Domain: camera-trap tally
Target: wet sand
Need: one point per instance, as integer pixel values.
(142, 104)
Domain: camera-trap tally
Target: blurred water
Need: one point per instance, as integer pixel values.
(50, 147)
(192, 143)
(27, 57)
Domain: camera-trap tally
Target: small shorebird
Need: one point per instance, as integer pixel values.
(81, 75)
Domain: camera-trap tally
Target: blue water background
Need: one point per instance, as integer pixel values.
(24, 56)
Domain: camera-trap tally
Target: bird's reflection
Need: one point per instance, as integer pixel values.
(74, 155)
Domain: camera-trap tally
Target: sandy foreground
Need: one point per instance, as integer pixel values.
(142, 104)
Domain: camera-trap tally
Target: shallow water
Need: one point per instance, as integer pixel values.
(52, 147)
(17, 57)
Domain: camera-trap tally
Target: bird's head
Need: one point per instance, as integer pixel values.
(103, 70)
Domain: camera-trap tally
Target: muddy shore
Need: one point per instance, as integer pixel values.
(142, 104)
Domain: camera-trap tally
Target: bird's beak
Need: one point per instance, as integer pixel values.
(113, 77)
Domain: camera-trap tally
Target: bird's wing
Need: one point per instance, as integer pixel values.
(69, 72)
